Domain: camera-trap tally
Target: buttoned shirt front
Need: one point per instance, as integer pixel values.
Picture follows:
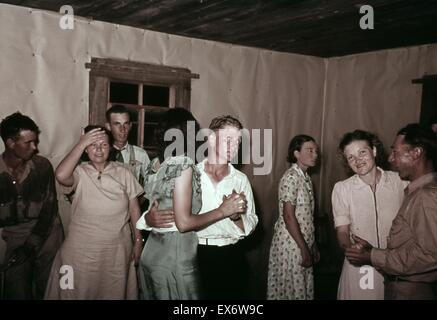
(412, 244)
(29, 204)
(369, 214)
(225, 232)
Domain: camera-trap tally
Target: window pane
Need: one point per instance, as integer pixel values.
(133, 134)
(151, 120)
(123, 93)
(156, 96)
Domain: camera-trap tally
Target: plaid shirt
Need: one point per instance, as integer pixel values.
(30, 199)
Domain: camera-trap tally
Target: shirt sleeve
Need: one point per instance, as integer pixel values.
(133, 188)
(288, 188)
(250, 219)
(417, 253)
(49, 210)
(340, 206)
(142, 224)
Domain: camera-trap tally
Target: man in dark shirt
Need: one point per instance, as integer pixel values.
(29, 215)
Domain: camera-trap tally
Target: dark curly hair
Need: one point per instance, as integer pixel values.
(372, 140)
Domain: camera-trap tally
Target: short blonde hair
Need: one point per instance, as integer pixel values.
(222, 121)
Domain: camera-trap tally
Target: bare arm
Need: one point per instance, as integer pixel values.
(185, 220)
(64, 171)
(135, 213)
(293, 228)
(343, 236)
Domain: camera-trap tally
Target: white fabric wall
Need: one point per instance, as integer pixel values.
(374, 92)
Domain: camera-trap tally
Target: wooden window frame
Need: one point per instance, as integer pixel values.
(103, 71)
(428, 107)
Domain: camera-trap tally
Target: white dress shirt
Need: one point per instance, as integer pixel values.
(225, 232)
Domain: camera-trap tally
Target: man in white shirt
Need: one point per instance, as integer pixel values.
(222, 264)
(136, 158)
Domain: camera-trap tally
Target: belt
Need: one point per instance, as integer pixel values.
(399, 279)
(215, 242)
(392, 278)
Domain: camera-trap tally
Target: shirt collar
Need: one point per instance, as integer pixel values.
(359, 183)
(201, 166)
(420, 182)
(123, 148)
(296, 167)
(30, 165)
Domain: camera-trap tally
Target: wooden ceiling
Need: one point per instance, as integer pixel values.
(323, 28)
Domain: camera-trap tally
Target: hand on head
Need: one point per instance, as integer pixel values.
(92, 136)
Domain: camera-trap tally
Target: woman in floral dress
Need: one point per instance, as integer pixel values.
(293, 249)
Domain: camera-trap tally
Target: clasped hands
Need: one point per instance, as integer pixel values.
(235, 204)
(358, 253)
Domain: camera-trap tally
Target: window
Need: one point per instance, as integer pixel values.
(428, 109)
(146, 90)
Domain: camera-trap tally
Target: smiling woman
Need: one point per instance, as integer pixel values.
(364, 205)
(98, 250)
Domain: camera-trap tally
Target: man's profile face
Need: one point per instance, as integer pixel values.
(25, 145)
(401, 158)
(227, 142)
(120, 125)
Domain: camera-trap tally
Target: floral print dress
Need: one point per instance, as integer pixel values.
(287, 279)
